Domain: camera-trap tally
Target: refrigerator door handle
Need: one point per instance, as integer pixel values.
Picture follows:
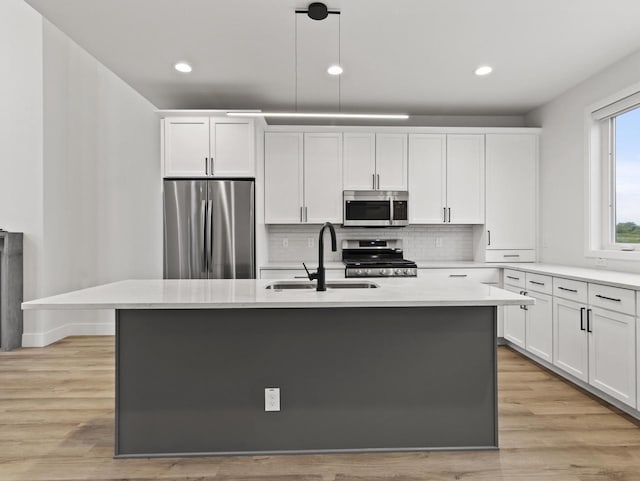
(205, 266)
(208, 241)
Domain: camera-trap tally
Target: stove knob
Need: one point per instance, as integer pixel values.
(383, 272)
(407, 272)
(367, 272)
(358, 272)
(399, 271)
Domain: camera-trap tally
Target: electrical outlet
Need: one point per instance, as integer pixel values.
(272, 399)
(601, 261)
(309, 242)
(438, 241)
(285, 242)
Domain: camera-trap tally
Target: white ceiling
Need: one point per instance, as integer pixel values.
(414, 56)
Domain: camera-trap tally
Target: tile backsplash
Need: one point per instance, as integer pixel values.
(290, 243)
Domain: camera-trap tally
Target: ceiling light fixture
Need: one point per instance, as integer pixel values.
(183, 67)
(326, 115)
(335, 70)
(483, 70)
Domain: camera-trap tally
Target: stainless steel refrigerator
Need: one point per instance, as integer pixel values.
(209, 229)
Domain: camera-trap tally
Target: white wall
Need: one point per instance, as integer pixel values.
(21, 135)
(80, 171)
(562, 165)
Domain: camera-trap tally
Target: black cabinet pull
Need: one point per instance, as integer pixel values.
(537, 283)
(582, 309)
(608, 298)
(489, 236)
(457, 275)
(589, 321)
(514, 278)
(568, 290)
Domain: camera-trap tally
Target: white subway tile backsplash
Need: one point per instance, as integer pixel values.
(289, 243)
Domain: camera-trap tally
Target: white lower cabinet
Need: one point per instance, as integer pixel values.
(570, 345)
(514, 321)
(539, 326)
(612, 354)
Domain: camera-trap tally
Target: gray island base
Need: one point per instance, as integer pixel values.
(191, 381)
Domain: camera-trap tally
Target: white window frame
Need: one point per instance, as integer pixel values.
(600, 176)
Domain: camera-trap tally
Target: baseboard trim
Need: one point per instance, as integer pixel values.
(41, 339)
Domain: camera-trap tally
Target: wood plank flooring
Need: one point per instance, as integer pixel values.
(56, 423)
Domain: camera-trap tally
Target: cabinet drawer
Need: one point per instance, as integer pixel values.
(538, 283)
(510, 255)
(485, 276)
(513, 278)
(570, 289)
(612, 298)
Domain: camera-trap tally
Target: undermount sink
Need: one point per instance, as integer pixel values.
(289, 285)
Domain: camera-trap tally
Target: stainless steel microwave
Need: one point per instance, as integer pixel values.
(375, 208)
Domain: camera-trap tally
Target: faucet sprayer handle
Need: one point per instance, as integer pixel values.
(311, 276)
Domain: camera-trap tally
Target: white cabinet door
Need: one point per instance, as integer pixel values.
(323, 178)
(539, 327)
(515, 322)
(612, 354)
(186, 146)
(570, 342)
(511, 190)
(359, 161)
(465, 179)
(391, 161)
(283, 178)
(427, 179)
(232, 147)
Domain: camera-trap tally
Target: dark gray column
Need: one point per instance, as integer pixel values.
(192, 381)
(10, 290)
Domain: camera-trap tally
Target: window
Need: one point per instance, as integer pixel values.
(625, 166)
(614, 177)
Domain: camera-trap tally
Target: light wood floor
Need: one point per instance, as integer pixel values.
(56, 422)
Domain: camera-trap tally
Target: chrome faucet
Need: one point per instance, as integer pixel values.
(319, 275)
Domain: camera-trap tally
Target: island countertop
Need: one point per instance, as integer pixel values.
(252, 293)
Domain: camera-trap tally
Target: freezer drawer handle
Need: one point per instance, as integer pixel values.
(608, 298)
(568, 290)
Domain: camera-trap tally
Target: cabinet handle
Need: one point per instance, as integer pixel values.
(449, 212)
(212, 165)
(582, 309)
(489, 236)
(378, 175)
(306, 215)
(511, 255)
(514, 278)
(568, 290)
(457, 275)
(537, 283)
(301, 214)
(206, 166)
(589, 321)
(444, 214)
(608, 298)
(373, 179)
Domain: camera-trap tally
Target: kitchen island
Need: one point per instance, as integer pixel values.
(408, 365)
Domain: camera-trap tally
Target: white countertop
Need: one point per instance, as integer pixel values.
(206, 294)
(626, 280)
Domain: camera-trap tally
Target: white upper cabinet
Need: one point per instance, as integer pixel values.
(465, 179)
(283, 178)
(359, 160)
(186, 146)
(511, 191)
(427, 179)
(322, 178)
(208, 147)
(391, 161)
(232, 147)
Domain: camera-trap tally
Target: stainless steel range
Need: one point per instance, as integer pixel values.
(376, 258)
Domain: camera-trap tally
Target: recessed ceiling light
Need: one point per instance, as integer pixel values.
(483, 70)
(183, 67)
(334, 70)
